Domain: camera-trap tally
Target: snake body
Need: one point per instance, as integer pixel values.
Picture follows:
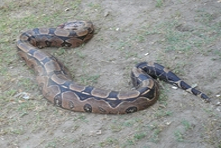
(57, 86)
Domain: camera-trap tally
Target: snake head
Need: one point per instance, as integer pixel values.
(78, 25)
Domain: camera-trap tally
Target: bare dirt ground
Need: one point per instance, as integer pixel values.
(185, 36)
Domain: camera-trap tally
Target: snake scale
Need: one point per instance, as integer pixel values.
(57, 86)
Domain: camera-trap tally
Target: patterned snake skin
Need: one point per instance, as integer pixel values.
(57, 86)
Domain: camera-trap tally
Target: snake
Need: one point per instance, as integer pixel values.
(57, 86)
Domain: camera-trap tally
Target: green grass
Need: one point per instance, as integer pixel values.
(9, 93)
(110, 141)
(116, 128)
(27, 84)
(139, 136)
(155, 129)
(129, 123)
(81, 118)
(155, 136)
(89, 79)
(17, 130)
(51, 144)
(159, 3)
(187, 129)
(216, 52)
(185, 42)
(186, 124)
(162, 113)
(80, 54)
(178, 136)
(163, 96)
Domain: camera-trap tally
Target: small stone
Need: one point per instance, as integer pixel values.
(98, 132)
(106, 13)
(67, 9)
(194, 85)
(168, 123)
(218, 95)
(23, 95)
(174, 87)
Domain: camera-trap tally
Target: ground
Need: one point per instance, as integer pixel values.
(184, 36)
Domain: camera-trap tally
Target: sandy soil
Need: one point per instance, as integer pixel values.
(182, 35)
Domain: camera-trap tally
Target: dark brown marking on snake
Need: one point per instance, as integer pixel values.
(71, 105)
(58, 100)
(131, 109)
(87, 108)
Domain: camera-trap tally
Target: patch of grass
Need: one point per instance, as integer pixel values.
(216, 52)
(75, 4)
(155, 136)
(159, 3)
(180, 38)
(80, 54)
(156, 130)
(186, 124)
(51, 144)
(140, 38)
(163, 96)
(60, 51)
(209, 111)
(129, 142)
(129, 123)
(59, 141)
(89, 79)
(17, 130)
(205, 17)
(4, 70)
(95, 5)
(175, 41)
(7, 55)
(211, 135)
(162, 113)
(27, 84)
(82, 118)
(116, 128)
(121, 44)
(110, 141)
(130, 54)
(9, 93)
(178, 136)
(139, 136)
